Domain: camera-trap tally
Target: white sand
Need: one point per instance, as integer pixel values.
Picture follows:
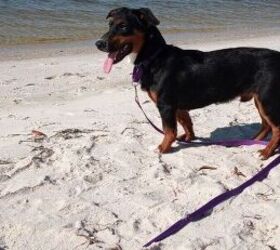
(96, 183)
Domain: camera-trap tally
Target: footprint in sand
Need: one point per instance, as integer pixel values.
(90, 110)
(93, 178)
(29, 84)
(4, 178)
(77, 74)
(136, 225)
(17, 101)
(3, 246)
(50, 77)
(67, 74)
(158, 247)
(81, 75)
(7, 82)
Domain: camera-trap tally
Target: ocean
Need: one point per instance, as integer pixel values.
(44, 21)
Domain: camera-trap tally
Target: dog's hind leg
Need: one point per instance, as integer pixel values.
(265, 128)
(275, 139)
(183, 117)
(272, 145)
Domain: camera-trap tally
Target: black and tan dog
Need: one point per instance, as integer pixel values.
(181, 80)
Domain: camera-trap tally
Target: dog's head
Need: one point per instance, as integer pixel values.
(126, 33)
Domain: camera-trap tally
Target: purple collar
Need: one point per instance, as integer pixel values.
(138, 69)
(137, 73)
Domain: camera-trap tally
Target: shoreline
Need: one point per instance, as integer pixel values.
(84, 47)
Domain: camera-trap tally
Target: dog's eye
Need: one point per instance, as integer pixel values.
(110, 24)
(123, 26)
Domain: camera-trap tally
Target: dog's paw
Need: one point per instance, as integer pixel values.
(186, 137)
(162, 148)
(264, 154)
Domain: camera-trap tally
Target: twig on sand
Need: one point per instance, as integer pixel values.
(238, 173)
(38, 135)
(5, 162)
(164, 165)
(71, 133)
(207, 167)
(90, 234)
(127, 128)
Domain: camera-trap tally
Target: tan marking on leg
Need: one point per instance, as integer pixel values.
(264, 131)
(169, 138)
(272, 145)
(265, 128)
(275, 139)
(183, 117)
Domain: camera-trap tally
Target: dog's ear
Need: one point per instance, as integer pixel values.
(112, 13)
(115, 12)
(147, 15)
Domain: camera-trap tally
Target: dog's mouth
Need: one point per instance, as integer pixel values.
(117, 56)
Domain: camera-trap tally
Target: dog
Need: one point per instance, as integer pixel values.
(180, 80)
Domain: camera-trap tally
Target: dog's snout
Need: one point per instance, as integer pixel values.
(101, 44)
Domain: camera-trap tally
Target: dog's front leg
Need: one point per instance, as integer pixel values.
(168, 116)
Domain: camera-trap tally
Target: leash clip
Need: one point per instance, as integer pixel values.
(135, 84)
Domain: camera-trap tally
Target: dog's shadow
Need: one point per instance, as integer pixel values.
(236, 132)
(244, 131)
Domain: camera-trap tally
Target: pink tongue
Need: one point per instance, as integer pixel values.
(108, 64)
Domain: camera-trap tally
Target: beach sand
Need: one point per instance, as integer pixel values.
(93, 180)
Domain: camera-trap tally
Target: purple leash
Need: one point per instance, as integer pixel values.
(210, 205)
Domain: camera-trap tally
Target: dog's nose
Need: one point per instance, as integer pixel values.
(101, 44)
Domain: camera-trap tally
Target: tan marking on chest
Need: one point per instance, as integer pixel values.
(153, 95)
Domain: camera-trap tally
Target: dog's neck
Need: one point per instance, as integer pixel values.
(153, 42)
